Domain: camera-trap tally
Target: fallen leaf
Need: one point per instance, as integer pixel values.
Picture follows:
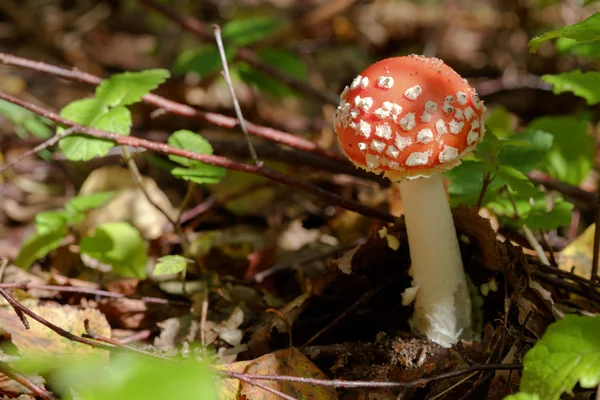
(41, 342)
(290, 362)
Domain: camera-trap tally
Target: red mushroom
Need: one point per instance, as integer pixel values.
(413, 118)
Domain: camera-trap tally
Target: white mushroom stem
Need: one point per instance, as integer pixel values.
(442, 305)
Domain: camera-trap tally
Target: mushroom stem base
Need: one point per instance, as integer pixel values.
(442, 304)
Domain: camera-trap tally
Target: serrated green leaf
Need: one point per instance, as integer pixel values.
(84, 111)
(586, 85)
(188, 140)
(80, 147)
(38, 246)
(516, 180)
(50, 221)
(540, 218)
(86, 202)
(242, 32)
(196, 172)
(571, 156)
(567, 354)
(120, 245)
(203, 60)
(584, 31)
(84, 148)
(524, 158)
(129, 87)
(522, 396)
(115, 120)
(171, 265)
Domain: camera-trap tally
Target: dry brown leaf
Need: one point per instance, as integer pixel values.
(41, 342)
(290, 362)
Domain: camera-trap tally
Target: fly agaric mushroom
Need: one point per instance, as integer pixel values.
(413, 118)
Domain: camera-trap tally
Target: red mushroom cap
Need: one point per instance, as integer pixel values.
(408, 117)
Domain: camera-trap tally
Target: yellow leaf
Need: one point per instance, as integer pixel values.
(578, 254)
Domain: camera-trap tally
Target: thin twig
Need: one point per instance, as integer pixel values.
(245, 378)
(236, 103)
(533, 242)
(95, 292)
(42, 146)
(243, 54)
(25, 381)
(338, 383)
(487, 180)
(139, 180)
(180, 109)
(90, 334)
(205, 158)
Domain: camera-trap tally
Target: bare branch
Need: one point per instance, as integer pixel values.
(207, 159)
(173, 107)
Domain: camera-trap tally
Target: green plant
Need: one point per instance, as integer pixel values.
(567, 354)
(117, 243)
(569, 351)
(204, 60)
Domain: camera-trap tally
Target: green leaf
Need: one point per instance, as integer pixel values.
(26, 120)
(499, 122)
(120, 245)
(202, 174)
(586, 85)
(188, 140)
(522, 396)
(281, 60)
(539, 218)
(80, 147)
(84, 148)
(50, 221)
(584, 49)
(115, 120)
(129, 87)
(516, 180)
(285, 61)
(203, 60)
(242, 32)
(196, 172)
(38, 246)
(526, 158)
(171, 265)
(571, 156)
(583, 31)
(135, 377)
(86, 202)
(567, 354)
